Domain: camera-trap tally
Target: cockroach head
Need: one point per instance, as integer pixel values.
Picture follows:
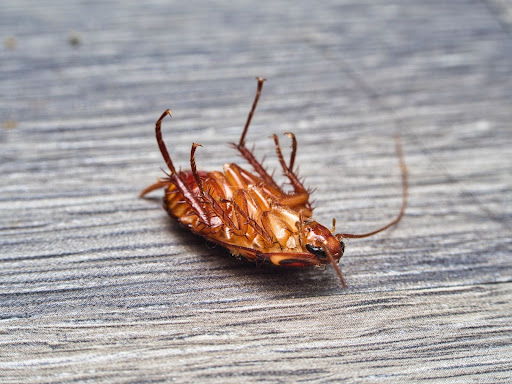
(326, 247)
(321, 242)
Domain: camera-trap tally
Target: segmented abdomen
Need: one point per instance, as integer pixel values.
(240, 211)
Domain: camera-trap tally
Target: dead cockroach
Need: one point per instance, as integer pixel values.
(250, 214)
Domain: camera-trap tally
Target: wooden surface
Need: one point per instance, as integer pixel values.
(97, 285)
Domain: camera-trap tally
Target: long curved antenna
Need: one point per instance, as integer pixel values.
(403, 169)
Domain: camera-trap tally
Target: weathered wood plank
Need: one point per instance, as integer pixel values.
(422, 335)
(98, 285)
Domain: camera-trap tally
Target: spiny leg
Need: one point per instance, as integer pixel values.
(247, 153)
(300, 227)
(405, 186)
(294, 149)
(301, 194)
(159, 184)
(175, 177)
(196, 176)
(194, 168)
(266, 235)
(241, 143)
(160, 141)
(158, 132)
(217, 209)
(288, 170)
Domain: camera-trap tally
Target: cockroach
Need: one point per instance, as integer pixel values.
(249, 213)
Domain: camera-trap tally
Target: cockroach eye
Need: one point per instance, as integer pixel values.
(342, 246)
(317, 251)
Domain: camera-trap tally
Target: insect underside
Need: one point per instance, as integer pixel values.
(249, 213)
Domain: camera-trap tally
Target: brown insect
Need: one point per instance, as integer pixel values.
(249, 213)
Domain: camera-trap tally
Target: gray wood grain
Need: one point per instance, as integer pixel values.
(97, 285)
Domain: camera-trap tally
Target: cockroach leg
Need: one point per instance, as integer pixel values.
(243, 212)
(294, 149)
(300, 229)
(288, 170)
(175, 177)
(300, 195)
(160, 141)
(194, 168)
(403, 170)
(196, 176)
(207, 196)
(279, 154)
(246, 152)
(159, 184)
(241, 143)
